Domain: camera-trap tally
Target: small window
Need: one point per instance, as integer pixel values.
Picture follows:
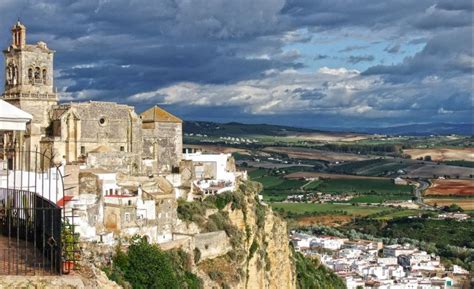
(129, 202)
(175, 170)
(102, 121)
(122, 149)
(83, 150)
(30, 74)
(44, 76)
(37, 73)
(127, 217)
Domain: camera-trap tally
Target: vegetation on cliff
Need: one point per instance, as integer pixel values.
(311, 274)
(146, 266)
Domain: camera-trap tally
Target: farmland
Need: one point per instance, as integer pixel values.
(300, 208)
(451, 188)
(363, 186)
(314, 154)
(442, 154)
(411, 168)
(465, 203)
(277, 186)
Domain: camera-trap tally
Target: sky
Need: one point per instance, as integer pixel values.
(306, 63)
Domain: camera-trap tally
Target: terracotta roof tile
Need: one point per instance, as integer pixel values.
(157, 114)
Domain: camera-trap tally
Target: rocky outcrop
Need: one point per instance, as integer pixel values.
(88, 277)
(264, 257)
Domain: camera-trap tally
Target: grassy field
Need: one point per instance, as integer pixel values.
(376, 167)
(466, 164)
(399, 214)
(378, 198)
(328, 208)
(361, 186)
(371, 190)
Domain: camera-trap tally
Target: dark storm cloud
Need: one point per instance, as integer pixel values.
(360, 58)
(447, 54)
(114, 49)
(393, 49)
(377, 15)
(354, 47)
(320, 56)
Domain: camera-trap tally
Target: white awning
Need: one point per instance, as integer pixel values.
(12, 118)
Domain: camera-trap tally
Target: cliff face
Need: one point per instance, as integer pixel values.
(261, 256)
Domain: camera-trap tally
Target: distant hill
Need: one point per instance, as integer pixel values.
(423, 129)
(240, 129)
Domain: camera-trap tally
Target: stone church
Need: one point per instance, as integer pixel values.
(102, 134)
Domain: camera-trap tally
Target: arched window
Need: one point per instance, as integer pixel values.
(15, 75)
(30, 74)
(37, 74)
(44, 76)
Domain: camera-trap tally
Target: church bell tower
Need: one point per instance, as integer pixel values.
(29, 83)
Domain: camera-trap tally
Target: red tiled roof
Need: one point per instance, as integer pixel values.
(63, 201)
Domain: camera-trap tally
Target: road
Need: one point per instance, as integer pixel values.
(422, 186)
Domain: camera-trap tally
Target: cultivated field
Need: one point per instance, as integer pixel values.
(332, 137)
(451, 188)
(325, 220)
(301, 175)
(312, 154)
(442, 154)
(434, 171)
(465, 203)
(300, 208)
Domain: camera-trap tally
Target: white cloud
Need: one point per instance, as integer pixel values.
(329, 90)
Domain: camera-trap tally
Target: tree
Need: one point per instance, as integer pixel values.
(147, 266)
(453, 208)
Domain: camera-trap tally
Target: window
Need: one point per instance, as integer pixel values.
(44, 76)
(102, 121)
(127, 217)
(83, 150)
(175, 170)
(129, 202)
(30, 74)
(122, 148)
(37, 74)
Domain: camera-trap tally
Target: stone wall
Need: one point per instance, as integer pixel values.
(124, 162)
(162, 141)
(212, 244)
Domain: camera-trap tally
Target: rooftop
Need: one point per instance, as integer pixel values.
(157, 114)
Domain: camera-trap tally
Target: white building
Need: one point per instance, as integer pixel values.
(397, 250)
(211, 166)
(214, 173)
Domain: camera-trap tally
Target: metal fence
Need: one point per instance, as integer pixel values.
(32, 226)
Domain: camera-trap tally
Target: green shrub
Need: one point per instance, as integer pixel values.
(147, 266)
(253, 248)
(197, 255)
(310, 274)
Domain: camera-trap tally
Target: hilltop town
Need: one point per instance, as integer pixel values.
(83, 182)
(115, 175)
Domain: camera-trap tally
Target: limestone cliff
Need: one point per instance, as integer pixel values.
(261, 256)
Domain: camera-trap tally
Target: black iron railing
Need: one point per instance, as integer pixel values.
(31, 234)
(31, 222)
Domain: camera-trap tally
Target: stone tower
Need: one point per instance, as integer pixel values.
(29, 84)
